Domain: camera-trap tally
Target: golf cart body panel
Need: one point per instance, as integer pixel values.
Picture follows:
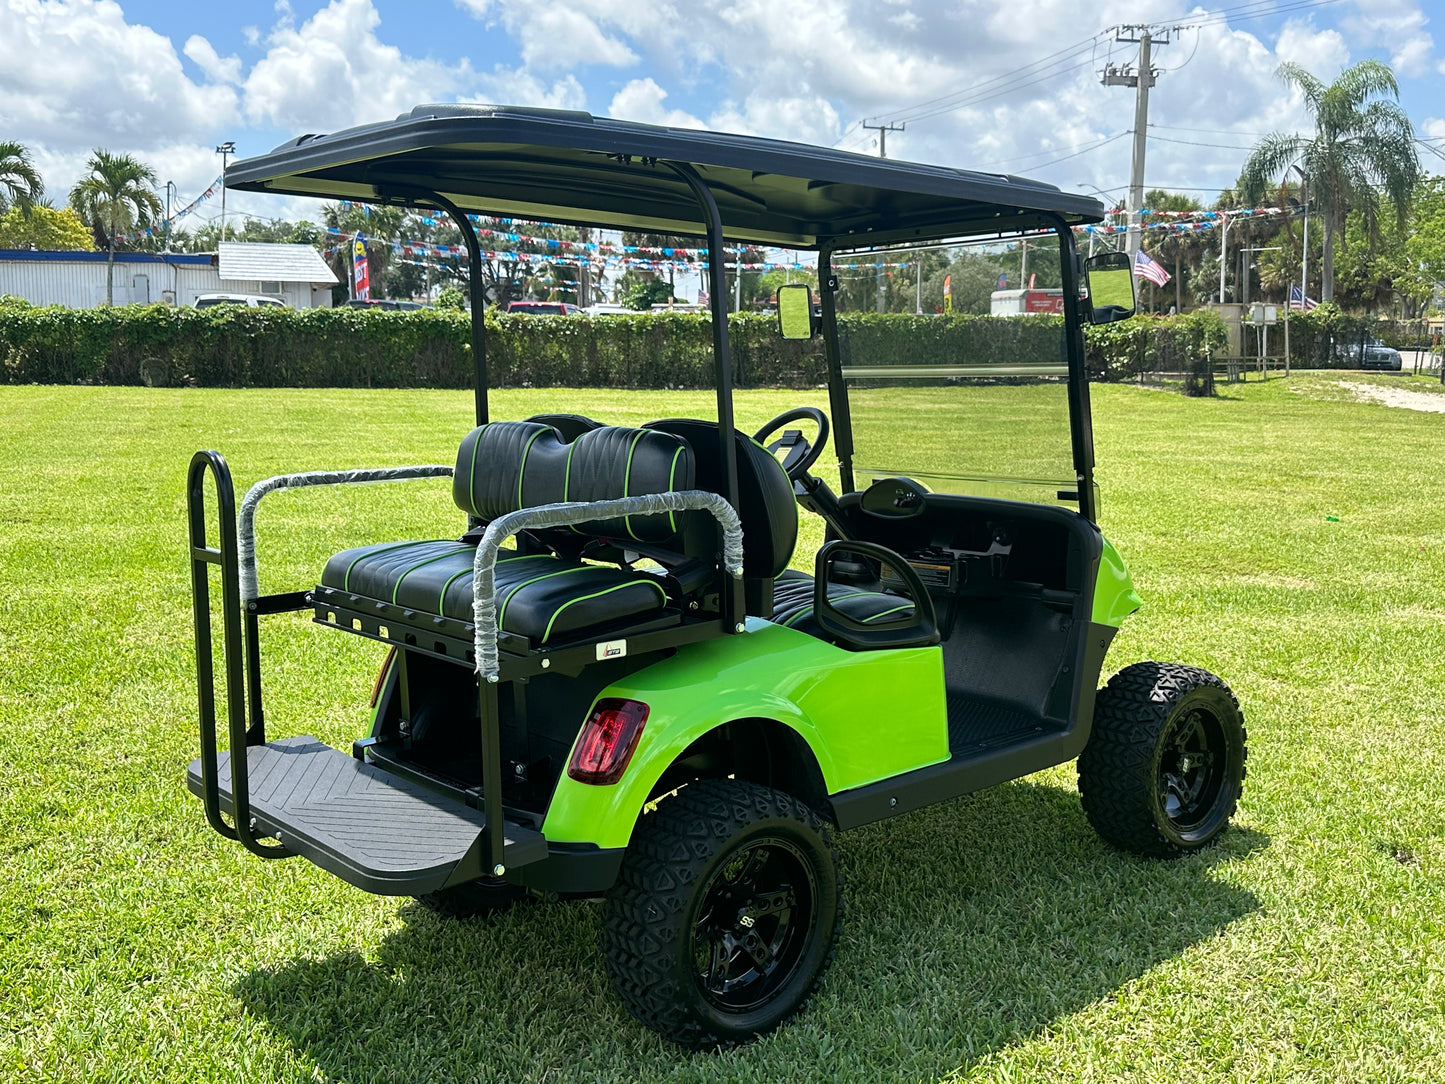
(838, 702)
(1114, 594)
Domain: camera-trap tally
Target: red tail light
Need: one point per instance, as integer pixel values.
(608, 742)
(381, 676)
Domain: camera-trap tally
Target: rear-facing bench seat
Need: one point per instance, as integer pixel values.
(546, 597)
(539, 596)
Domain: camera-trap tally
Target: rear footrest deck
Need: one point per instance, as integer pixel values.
(372, 829)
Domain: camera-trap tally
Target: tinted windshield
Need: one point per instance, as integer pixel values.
(971, 395)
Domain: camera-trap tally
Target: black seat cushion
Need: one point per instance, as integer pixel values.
(541, 597)
(766, 505)
(793, 603)
(504, 466)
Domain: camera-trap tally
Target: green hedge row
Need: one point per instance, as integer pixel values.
(273, 347)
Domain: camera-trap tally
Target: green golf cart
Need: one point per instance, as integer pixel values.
(610, 681)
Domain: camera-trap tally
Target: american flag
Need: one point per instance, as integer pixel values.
(1146, 268)
(1297, 300)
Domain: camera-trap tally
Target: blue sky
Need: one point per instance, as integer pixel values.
(169, 81)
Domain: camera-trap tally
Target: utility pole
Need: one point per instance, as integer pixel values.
(883, 129)
(225, 150)
(170, 185)
(1141, 80)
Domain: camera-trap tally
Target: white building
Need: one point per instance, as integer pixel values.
(295, 273)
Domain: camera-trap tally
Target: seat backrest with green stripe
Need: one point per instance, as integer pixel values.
(504, 466)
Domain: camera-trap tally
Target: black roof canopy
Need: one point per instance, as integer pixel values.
(563, 166)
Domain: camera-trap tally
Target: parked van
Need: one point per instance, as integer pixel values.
(253, 301)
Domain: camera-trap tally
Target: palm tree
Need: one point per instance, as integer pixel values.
(117, 194)
(1363, 141)
(20, 182)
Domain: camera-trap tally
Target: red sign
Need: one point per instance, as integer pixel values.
(1044, 301)
(359, 272)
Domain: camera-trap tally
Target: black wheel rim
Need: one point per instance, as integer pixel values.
(1193, 771)
(753, 926)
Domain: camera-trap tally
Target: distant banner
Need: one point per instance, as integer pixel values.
(359, 272)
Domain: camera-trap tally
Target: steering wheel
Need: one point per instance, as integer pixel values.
(801, 454)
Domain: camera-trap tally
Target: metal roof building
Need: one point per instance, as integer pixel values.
(295, 273)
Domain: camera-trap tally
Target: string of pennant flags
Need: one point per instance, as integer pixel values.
(418, 251)
(160, 227)
(692, 258)
(1186, 221)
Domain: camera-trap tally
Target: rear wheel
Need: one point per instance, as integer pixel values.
(1164, 766)
(725, 914)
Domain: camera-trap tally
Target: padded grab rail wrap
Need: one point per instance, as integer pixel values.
(246, 527)
(484, 600)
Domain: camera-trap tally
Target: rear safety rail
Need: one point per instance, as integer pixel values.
(224, 556)
(246, 540)
(563, 514)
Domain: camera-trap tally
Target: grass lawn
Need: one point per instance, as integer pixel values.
(1294, 543)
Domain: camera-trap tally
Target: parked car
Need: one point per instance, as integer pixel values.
(543, 308)
(384, 303)
(1370, 354)
(253, 301)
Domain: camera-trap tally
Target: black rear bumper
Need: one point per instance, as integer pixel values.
(390, 835)
(374, 830)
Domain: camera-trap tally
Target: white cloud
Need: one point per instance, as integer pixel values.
(557, 36)
(511, 86)
(219, 69)
(334, 71)
(1323, 53)
(805, 119)
(1433, 127)
(1396, 25)
(641, 100)
(77, 76)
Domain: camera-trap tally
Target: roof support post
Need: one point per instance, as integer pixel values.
(832, 354)
(477, 295)
(733, 605)
(1081, 424)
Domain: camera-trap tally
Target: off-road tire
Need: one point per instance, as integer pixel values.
(1125, 769)
(667, 888)
(475, 899)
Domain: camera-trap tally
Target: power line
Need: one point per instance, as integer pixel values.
(1057, 63)
(996, 84)
(1208, 131)
(1074, 154)
(1194, 143)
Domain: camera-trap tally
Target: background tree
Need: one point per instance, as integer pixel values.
(118, 193)
(20, 183)
(379, 226)
(44, 228)
(250, 230)
(1425, 245)
(1363, 142)
(1176, 249)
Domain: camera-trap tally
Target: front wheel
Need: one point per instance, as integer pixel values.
(1164, 766)
(725, 913)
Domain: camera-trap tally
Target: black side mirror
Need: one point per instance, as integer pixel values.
(795, 311)
(1109, 279)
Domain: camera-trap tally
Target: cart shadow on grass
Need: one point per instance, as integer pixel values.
(971, 926)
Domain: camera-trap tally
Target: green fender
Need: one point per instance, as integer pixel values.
(1114, 594)
(866, 715)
